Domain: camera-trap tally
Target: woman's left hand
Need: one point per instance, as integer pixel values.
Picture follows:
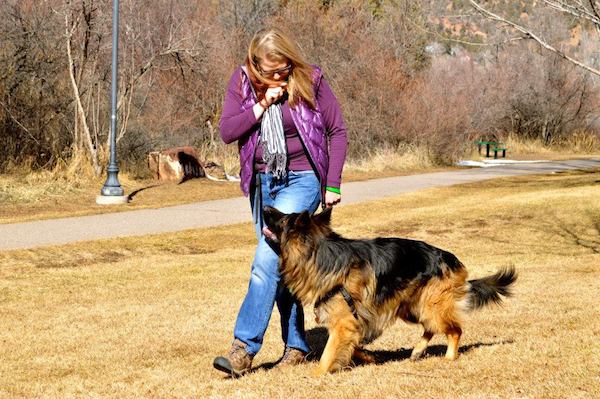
(332, 198)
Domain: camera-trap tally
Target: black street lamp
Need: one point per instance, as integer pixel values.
(112, 192)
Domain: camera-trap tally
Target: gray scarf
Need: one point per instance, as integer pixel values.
(272, 140)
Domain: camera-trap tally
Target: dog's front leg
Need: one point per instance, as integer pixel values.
(343, 339)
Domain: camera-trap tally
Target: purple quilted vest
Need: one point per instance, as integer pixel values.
(310, 127)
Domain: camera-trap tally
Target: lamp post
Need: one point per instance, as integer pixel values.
(112, 192)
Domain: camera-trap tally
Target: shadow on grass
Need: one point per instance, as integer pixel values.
(584, 234)
(589, 240)
(135, 192)
(317, 338)
(183, 180)
(382, 357)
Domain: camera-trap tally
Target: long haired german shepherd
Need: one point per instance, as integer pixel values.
(360, 287)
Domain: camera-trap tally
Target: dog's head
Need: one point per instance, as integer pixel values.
(284, 226)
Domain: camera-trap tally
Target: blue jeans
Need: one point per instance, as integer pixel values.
(298, 192)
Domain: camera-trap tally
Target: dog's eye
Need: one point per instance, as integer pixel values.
(290, 220)
(287, 223)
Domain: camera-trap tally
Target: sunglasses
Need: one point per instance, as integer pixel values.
(270, 74)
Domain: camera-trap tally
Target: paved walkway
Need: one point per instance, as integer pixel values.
(236, 210)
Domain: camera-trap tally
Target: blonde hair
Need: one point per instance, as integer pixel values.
(275, 45)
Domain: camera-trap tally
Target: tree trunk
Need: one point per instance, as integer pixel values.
(80, 114)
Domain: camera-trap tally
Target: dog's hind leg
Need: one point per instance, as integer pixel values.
(419, 349)
(453, 333)
(362, 356)
(343, 339)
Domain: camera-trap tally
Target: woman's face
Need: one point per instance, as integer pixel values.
(275, 70)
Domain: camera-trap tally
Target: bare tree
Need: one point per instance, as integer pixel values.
(81, 18)
(163, 38)
(34, 104)
(152, 38)
(583, 11)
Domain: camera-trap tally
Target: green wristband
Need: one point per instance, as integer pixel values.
(333, 190)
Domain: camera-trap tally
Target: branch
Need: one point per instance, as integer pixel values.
(594, 9)
(7, 110)
(527, 32)
(579, 12)
(451, 39)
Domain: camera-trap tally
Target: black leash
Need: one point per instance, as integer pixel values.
(259, 211)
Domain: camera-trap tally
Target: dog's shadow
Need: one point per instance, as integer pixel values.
(317, 339)
(383, 356)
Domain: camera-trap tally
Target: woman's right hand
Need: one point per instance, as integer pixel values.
(272, 95)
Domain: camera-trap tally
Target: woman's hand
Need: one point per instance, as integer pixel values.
(332, 198)
(272, 95)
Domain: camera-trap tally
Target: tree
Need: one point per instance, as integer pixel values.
(585, 12)
(151, 38)
(80, 32)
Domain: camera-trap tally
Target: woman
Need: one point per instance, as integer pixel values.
(292, 141)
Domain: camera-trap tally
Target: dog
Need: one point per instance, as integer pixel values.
(360, 287)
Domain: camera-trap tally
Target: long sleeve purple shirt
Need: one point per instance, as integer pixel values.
(235, 124)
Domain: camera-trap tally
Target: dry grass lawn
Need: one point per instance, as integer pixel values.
(144, 317)
(46, 196)
(71, 190)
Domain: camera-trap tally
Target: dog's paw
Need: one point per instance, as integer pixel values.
(416, 355)
(318, 372)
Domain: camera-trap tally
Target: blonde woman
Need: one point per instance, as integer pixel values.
(292, 142)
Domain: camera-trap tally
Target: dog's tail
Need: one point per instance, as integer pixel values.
(487, 290)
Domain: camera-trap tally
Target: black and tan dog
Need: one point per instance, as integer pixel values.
(360, 287)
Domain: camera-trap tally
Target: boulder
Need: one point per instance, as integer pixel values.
(178, 163)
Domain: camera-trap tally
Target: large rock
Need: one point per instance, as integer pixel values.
(178, 163)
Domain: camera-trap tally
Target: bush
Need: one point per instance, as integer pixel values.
(438, 107)
(545, 97)
(177, 58)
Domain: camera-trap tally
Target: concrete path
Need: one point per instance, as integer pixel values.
(237, 210)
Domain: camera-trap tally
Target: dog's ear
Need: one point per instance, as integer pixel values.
(325, 216)
(302, 220)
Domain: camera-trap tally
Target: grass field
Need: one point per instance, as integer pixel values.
(144, 317)
(46, 197)
(71, 190)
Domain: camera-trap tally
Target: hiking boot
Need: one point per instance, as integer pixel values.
(237, 362)
(291, 357)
